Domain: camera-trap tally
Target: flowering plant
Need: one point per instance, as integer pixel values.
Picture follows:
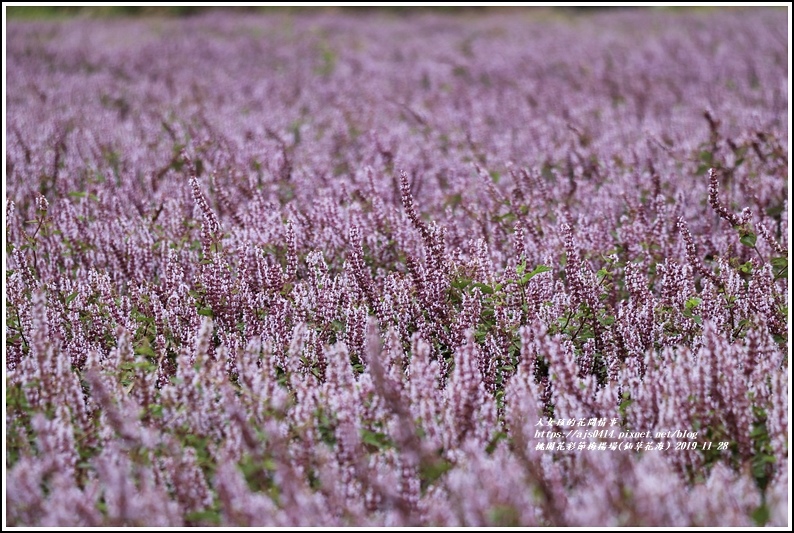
(326, 269)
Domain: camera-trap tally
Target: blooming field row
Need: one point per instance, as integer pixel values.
(379, 270)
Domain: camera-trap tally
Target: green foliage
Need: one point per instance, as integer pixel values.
(504, 516)
(202, 445)
(375, 440)
(763, 461)
(19, 432)
(326, 426)
(761, 515)
(524, 278)
(623, 407)
(431, 471)
(780, 267)
(204, 518)
(748, 239)
(258, 473)
(497, 438)
(689, 310)
(706, 158)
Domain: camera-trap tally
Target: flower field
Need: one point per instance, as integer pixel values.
(515, 267)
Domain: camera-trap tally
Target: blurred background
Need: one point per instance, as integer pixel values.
(22, 12)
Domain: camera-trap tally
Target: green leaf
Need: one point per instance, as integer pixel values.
(624, 405)
(538, 270)
(781, 265)
(140, 317)
(211, 516)
(746, 268)
(748, 239)
(70, 298)
(461, 283)
(775, 210)
(376, 439)
(541, 268)
(760, 515)
(692, 303)
(156, 410)
(145, 349)
(495, 441)
(205, 311)
(429, 472)
(483, 287)
(606, 320)
(522, 267)
(507, 217)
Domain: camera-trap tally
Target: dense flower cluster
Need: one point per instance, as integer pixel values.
(327, 269)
